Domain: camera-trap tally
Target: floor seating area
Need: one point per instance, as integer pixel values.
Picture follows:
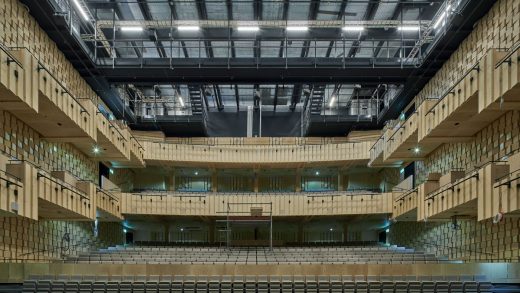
(259, 284)
(256, 255)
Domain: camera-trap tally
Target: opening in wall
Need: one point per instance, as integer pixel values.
(103, 171)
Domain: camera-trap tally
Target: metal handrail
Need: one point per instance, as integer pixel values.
(138, 144)
(63, 185)
(11, 58)
(432, 195)
(111, 125)
(507, 58)
(109, 194)
(10, 182)
(403, 125)
(41, 66)
(450, 89)
(413, 190)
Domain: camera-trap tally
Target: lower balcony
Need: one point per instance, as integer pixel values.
(247, 204)
(505, 198)
(108, 205)
(461, 193)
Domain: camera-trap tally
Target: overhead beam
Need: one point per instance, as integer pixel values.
(341, 14)
(174, 16)
(237, 97)
(313, 14)
(369, 15)
(275, 101)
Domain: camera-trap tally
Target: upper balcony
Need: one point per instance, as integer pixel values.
(484, 93)
(18, 81)
(500, 85)
(264, 151)
(244, 204)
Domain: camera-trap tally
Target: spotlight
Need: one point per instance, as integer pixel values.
(96, 150)
(416, 150)
(387, 230)
(317, 173)
(124, 230)
(196, 173)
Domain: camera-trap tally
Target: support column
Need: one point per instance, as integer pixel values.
(170, 181)
(300, 232)
(345, 232)
(342, 181)
(166, 231)
(211, 232)
(298, 181)
(256, 181)
(214, 180)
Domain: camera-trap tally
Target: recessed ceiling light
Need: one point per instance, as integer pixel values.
(248, 28)
(131, 29)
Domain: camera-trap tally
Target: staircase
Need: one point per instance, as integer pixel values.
(195, 92)
(317, 95)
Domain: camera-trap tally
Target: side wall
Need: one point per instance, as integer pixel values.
(24, 239)
(470, 240)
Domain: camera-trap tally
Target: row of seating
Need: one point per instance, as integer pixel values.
(286, 248)
(259, 284)
(253, 255)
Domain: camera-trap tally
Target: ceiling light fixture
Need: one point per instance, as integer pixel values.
(81, 10)
(297, 28)
(131, 29)
(188, 28)
(409, 28)
(332, 101)
(441, 18)
(96, 150)
(353, 28)
(248, 28)
(416, 150)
